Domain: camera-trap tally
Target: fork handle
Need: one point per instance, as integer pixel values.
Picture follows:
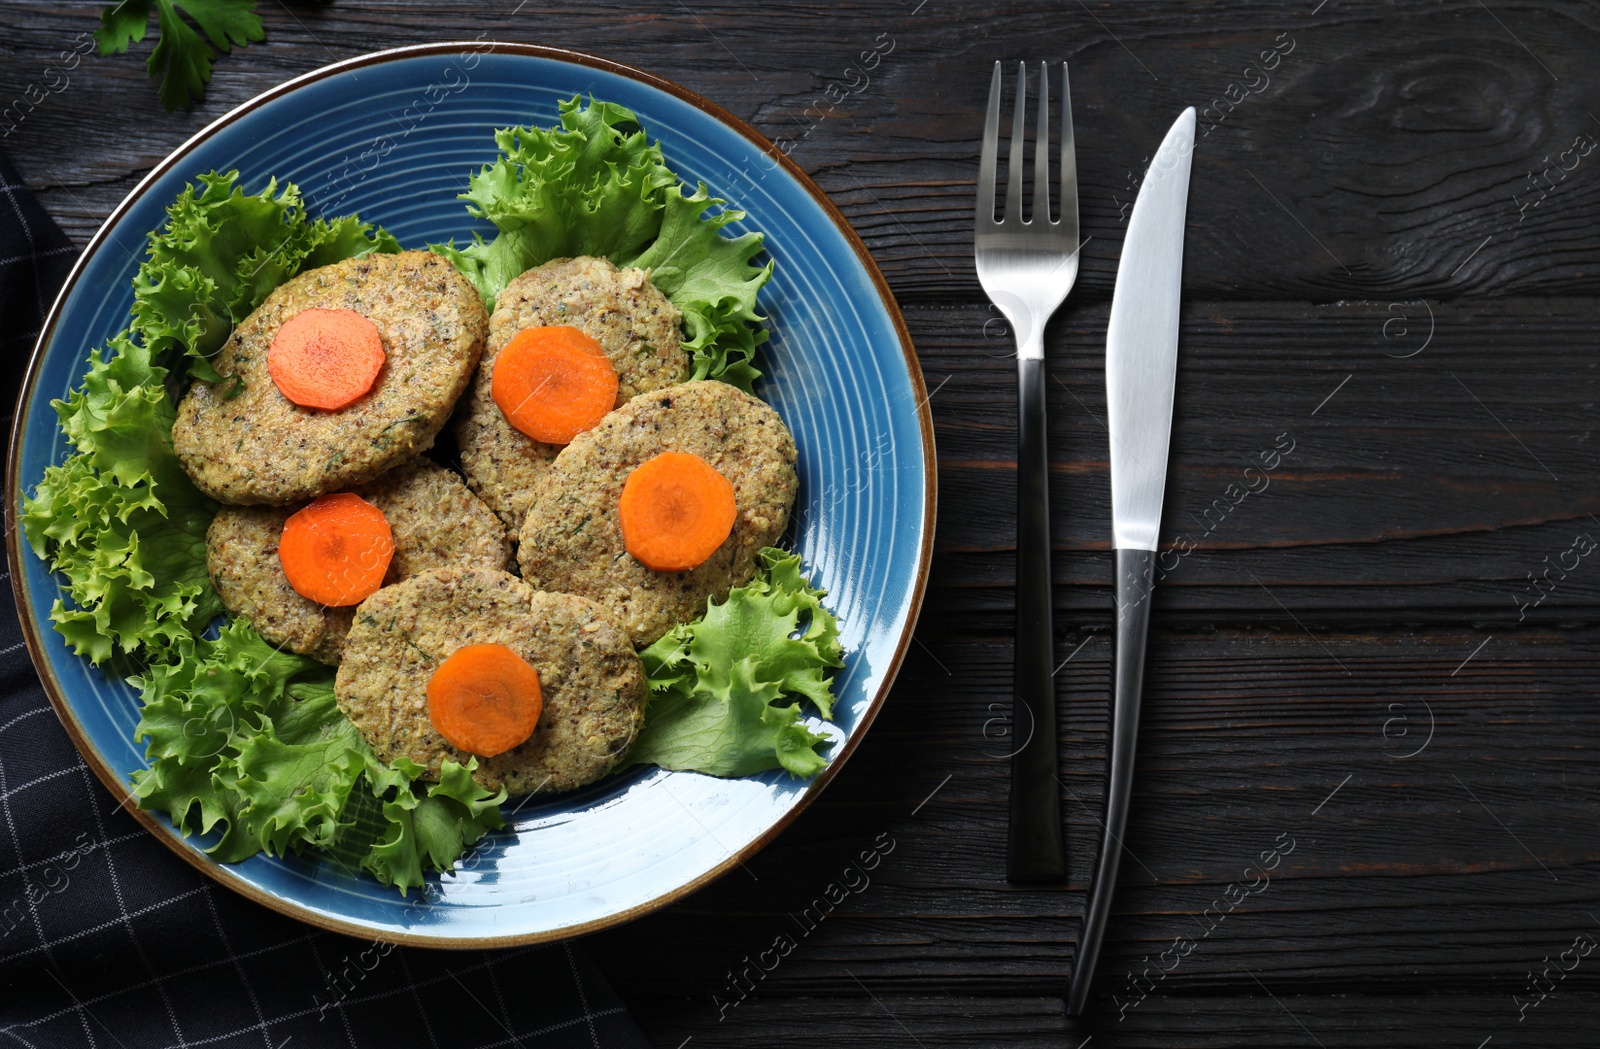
(1034, 849)
(1135, 578)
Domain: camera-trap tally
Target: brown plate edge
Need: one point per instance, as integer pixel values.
(162, 830)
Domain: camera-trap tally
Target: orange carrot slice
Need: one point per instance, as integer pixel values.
(336, 550)
(553, 383)
(325, 359)
(484, 699)
(675, 511)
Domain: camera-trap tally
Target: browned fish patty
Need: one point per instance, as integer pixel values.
(572, 542)
(620, 309)
(591, 681)
(436, 522)
(258, 447)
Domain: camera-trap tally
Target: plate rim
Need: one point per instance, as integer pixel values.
(223, 873)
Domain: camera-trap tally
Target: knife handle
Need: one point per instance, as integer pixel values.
(1135, 571)
(1034, 848)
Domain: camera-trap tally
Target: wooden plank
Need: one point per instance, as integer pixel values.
(1433, 803)
(1266, 1015)
(1433, 150)
(898, 1022)
(1448, 473)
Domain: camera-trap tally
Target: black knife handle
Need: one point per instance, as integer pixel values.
(1034, 849)
(1135, 571)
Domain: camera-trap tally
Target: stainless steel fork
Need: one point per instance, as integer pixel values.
(1026, 267)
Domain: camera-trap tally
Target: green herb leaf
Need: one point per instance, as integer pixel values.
(715, 683)
(181, 57)
(595, 185)
(121, 25)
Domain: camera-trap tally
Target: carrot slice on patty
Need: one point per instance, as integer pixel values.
(484, 699)
(325, 359)
(676, 510)
(553, 383)
(336, 550)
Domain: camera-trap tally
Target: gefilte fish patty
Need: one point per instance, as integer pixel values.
(591, 681)
(257, 447)
(572, 540)
(620, 309)
(436, 522)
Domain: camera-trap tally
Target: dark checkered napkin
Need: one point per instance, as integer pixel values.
(108, 939)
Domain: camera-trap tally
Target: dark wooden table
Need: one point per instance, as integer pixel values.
(1378, 658)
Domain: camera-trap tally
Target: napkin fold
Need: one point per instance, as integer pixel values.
(109, 939)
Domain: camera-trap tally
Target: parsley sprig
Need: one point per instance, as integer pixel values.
(182, 56)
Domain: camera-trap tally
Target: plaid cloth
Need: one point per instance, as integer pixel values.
(108, 939)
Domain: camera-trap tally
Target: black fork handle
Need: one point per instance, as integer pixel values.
(1135, 579)
(1034, 847)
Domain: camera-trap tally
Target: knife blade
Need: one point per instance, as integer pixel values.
(1141, 375)
(1142, 342)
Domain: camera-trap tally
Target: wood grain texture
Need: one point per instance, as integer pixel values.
(1383, 652)
(1418, 477)
(1438, 819)
(1267, 1016)
(1385, 144)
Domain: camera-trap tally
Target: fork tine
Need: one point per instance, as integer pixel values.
(1069, 164)
(1013, 212)
(990, 156)
(1041, 151)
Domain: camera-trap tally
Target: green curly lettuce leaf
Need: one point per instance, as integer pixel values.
(219, 254)
(433, 829)
(119, 520)
(713, 282)
(246, 740)
(181, 57)
(594, 185)
(590, 186)
(716, 683)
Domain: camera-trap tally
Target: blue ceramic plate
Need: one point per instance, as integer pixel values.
(393, 136)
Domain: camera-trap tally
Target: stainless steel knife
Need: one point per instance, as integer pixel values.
(1141, 373)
